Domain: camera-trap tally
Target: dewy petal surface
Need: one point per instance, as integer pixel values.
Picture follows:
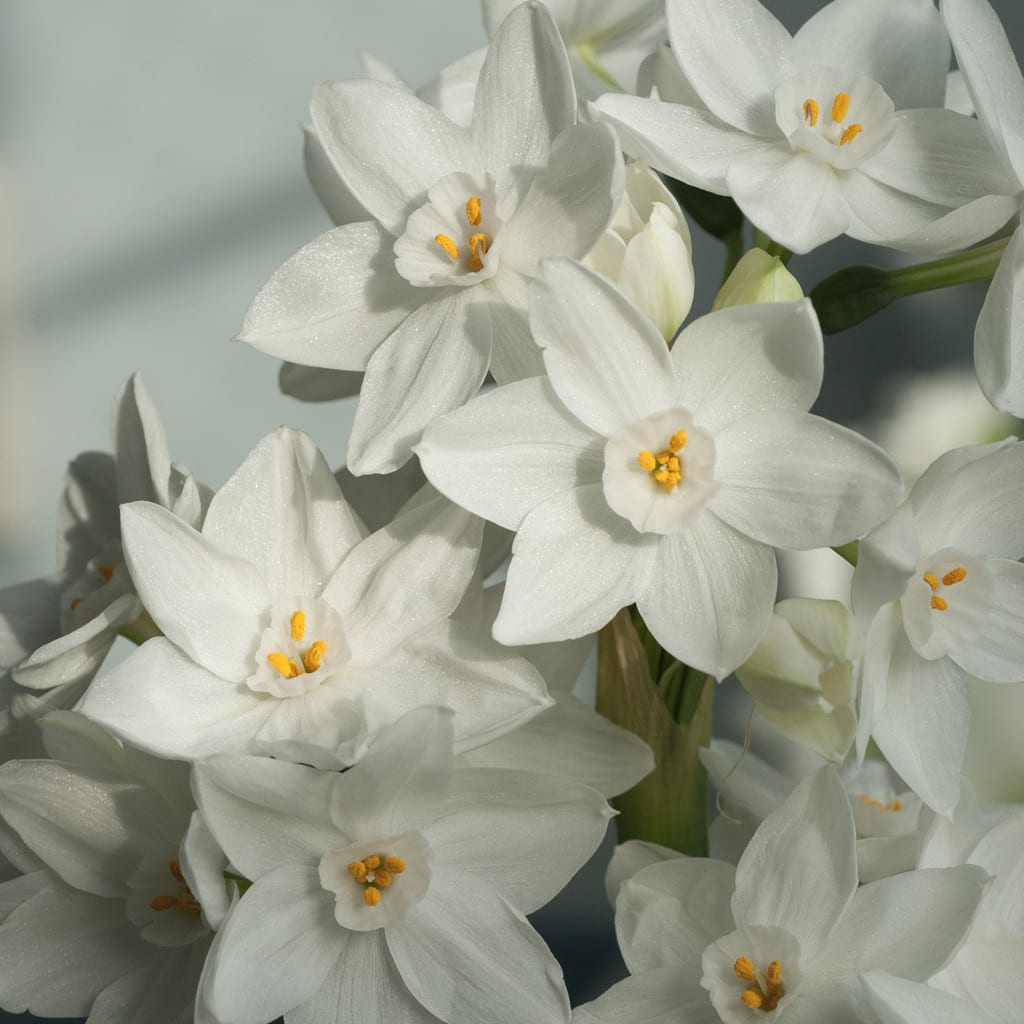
(996, 653)
(998, 352)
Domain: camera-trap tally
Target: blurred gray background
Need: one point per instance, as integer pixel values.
(151, 180)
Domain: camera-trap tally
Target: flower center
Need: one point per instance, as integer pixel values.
(764, 992)
(665, 467)
(309, 661)
(478, 243)
(834, 132)
(893, 805)
(183, 900)
(375, 873)
(949, 579)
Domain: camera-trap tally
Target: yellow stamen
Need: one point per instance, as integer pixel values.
(106, 572)
(896, 805)
(954, 576)
(175, 868)
(744, 969)
(811, 111)
(371, 896)
(773, 977)
(77, 601)
(190, 907)
(850, 134)
(646, 460)
(840, 107)
(395, 865)
(939, 603)
(163, 902)
(931, 579)
(473, 210)
(753, 998)
(381, 878)
(677, 441)
(314, 656)
(478, 247)
(372, 862)
(448, 245)
(297, 624)
(280, 662)
(357, 869)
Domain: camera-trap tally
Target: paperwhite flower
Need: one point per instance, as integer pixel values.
(647, 251)
(887, 816)
(288, 631)
(57, 631)
(394, 891)
(818, 134)
(432, 294)
(996, 87)
(787, 932)
(944, 592)
(115, 922)
(572, 463)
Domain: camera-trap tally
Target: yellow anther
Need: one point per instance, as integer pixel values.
(297, 624)
(954, 576)
(395, 865)
(448, 245)
(478, 247)
(473, 210)
(896, 806)
(357, 869)
(163, 902)
(744, 969)
(106, 572)
(314, 656)
(939, 603)
(850, 134)
(931, 579)
(811, 111)
(840, 107)
(190, 907)
(281, 663)
(175, 869)
(372, 862)
(753, 998)
(677, 441)
(381, 878)
(371, 896)
(77, 601)
(646, 460)
(773, 976)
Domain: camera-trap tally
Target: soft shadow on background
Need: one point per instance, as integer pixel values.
(151, 180)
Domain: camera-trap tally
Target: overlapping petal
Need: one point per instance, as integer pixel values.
(998, 354)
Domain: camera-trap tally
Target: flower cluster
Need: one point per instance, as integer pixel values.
(345, 761)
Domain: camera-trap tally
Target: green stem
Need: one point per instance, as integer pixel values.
(586, 53)
(733, 252)
(770, 246)
(850, 296)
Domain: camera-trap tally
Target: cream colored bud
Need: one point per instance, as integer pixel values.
(758, 277)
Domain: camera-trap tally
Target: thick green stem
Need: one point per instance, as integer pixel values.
(850, 296)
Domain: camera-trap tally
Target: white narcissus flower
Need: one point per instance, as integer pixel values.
(57, 631)
(647, 251)
(787, 932)
(996, 88)
(431, 294)
(286, 629)
(116, 918)
(394, 891)
(818, 134)
(633, 473)
(942, 588)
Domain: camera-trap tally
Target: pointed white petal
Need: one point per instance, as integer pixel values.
(203, 864)
(885, 562)
(630, 857)
(140, 445)
(897, 1001)
(997, 348)
(341, 206)
(453, 89)
(710, 595)
(514, 353)
(995, 655)
(333, 303)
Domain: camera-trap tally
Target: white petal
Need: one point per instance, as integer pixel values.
(574, 565)
(897, 1001)
(333, 303)
(910, 924)
(30, 616)
(606, 360)
(203, 864)
(283, 512)
(387, 145)
(996, 653)
(406, 577)
(710, 595)
(689, 144)
(997, 348)
(276, 949)
(885, 562)
(162, 701)
(514, 976)
(654, 997)
(140, 444)
(992, 75)
(800, 870)
(630, 857)
(453, 89)
(877, 205)
(208, 603)
(798, 481)
(341, 206)
(311, 384)
(750, 787)
(667, 914)
(921, 727)
(266, 813)
(524, 98)
(435, 362)
(749, 359)
(796, 199)
(570, 204)
(733, 54)
(902, 46)
(998, 853)
(514, 353)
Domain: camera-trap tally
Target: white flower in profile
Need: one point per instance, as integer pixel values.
(115, 918)
(787, 932)
(394, 891)
(822, 133)
(633, 473)
(57, 631)
(942, 588)
(286, 629)
(430, 295)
